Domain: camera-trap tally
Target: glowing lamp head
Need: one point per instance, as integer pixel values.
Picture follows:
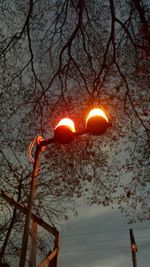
(64, 131)
(97, 122)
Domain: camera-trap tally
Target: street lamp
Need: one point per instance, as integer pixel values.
(64, 133)
(97, 122)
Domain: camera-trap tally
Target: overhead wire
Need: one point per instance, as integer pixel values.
(68, 247)
(94, 249)
(105, 231)
(99, 248)
(102, 240)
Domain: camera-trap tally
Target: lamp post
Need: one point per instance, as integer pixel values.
(64, 133)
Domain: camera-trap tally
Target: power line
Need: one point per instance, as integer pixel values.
(82, 249)
(102, 240)
(95, 249)
(105, 231)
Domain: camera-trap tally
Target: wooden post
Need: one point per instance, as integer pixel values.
(49, 258)
(57, 245)
(40, 221)
(52, 257)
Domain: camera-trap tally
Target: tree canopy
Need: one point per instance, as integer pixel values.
(61, 58)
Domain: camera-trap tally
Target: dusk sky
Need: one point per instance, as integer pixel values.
(99, 237)
(61, 59)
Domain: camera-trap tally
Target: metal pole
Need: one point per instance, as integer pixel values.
(29, 208)
(33, 243)
(31, 200)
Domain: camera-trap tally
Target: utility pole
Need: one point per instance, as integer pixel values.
(133, 248)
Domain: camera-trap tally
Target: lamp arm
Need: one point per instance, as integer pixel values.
(44, 143)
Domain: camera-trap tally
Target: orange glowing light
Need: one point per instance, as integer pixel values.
(97, 122)
(96, 112)
(134, 247)
(67, 123)
(64, 131)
